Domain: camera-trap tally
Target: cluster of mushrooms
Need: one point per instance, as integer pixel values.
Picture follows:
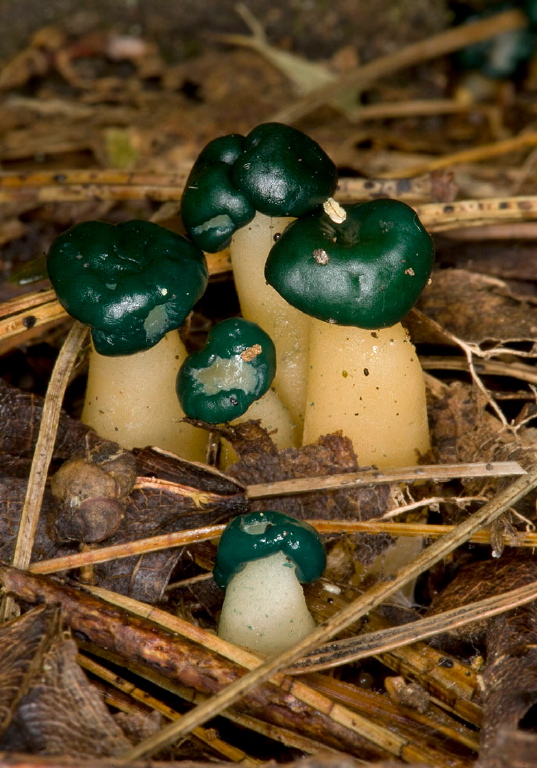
(319, 347)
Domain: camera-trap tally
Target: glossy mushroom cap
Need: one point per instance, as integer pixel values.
(235, 367)
(260, 534)
(367, 271)
(131, 283)
(275, 170)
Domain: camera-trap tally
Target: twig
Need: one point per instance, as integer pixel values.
(439, 217)
(80, 185)
(514, 370)
(439, 472)
(374, 643)
(43, 452)
(183, 538)
(362, 605)
(475, 154)
(416, 53)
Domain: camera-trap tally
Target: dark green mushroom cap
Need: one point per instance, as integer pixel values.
(131, 283)
(275, 170)
(241, 543)
(235, 367)
(367, 271)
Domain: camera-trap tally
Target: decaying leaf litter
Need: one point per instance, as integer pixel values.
(136, 595)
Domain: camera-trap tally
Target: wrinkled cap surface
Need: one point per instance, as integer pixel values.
(235, 367)
(275, 170)
(367, 271)
(131, 283)
(261, 534)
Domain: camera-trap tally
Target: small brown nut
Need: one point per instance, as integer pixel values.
(94, 520)
(91, 497)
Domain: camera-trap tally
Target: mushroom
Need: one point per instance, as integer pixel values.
(230, 378)
(358, 279)
(133, 284)
(261, 558)
(244, 190)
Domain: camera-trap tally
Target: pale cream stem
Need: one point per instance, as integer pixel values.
(369, 385)
(131, 399)
(287, 326)
(264, 608)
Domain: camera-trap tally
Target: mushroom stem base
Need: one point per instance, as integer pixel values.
(131, 399)
(264, 608)
(369, 385)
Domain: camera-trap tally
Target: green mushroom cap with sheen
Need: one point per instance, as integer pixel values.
(367, 271)
(235, 367)
(275, 170)
(131, 283)
(261, 534)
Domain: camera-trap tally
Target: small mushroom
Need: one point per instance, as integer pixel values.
(133, 284)
(261, 560)
(230, 378)
(244, 190)
(359, 278)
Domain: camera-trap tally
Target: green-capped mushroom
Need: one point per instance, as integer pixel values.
(367, 270)
(230, 380)
(359, 278)
(246, 189)
(235, 368)
(275, 170)
(133, 284)
(262, 558)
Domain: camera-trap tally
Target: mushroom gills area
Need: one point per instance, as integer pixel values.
(264, 608)
(131, 399)
(369, 385)
(287, 326)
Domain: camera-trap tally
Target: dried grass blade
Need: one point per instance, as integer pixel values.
(373, 643)
(43, 452)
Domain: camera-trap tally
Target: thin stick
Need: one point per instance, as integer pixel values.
(439, 472)
(130, 549)
(439, 217)
(362, 605)
(43, 452)
(374, 643)
(514, 370)
(475, 154)
(183, 538)
(416, 53)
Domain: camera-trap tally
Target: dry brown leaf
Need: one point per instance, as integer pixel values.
(23, 643)
(61, 713)
(476, 308)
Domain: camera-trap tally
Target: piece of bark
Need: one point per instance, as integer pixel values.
(179, 659)
(509, 683)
